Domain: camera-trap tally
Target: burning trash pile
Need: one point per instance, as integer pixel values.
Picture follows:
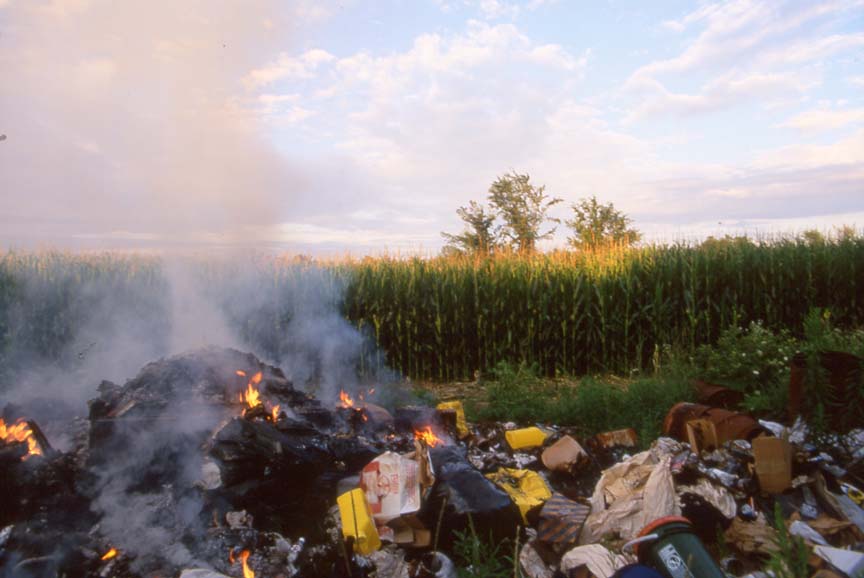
(212, 464)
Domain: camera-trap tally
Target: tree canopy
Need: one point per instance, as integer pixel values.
(480, 234)
(515, 217)
(594, 225)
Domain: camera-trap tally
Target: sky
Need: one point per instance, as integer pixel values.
(361, 126)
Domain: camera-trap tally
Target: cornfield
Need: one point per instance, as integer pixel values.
(446, 318)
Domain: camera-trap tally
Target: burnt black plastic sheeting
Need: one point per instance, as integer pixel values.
(463, 492)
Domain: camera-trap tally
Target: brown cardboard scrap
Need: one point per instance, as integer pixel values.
(563, 455)
(702, 435)
(751, 537)
(773, 458)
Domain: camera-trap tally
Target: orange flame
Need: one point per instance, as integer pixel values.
(425, 435)
(19, 432)
(244, 556)
(252, 395)
(345, 399)
(112, 553)
(247, 571)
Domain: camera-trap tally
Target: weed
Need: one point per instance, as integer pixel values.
(478, 558)
(790, 559)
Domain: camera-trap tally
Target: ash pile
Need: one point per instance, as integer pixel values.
(212, 464)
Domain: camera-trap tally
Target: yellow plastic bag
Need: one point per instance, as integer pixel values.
(357, 521)
(529, 437)
(527, 489)
(461, 423)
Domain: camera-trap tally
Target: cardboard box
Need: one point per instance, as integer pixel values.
(391, 486)
(773, 463)
(702, 435)
(563, 455)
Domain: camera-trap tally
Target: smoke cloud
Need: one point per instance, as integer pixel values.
(128, 122)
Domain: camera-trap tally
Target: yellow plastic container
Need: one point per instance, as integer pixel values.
(357, 521)
(461, 423)
(527, 489)
(529, 437)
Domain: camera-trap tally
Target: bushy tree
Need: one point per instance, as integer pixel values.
(480, 234)
(523, 208)
(595, 225)
(514, 218)
(813, 237)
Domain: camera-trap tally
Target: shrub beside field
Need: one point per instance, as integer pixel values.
(449, 318)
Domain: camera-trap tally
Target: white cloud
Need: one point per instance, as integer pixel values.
(810, 50)
(846, 151)
(698, 15)
(717, 94)
(495, 9)
(288, 67)
(825, 119)
(498, 9)
(748, 49)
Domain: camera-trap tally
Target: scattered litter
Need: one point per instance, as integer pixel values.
(755, 537)
(848, 562)
(461, 424)
(803, 530)
(564, 455)
(561, 521)
(441, 566)
(629, 496)
(597, 559)
(622, 438)
(390, 563)
(357, 521)
(717, 496)
(413, 484)
(529, 437)
(527, 489)
(532, 563)
(773, 456)
(671, 545)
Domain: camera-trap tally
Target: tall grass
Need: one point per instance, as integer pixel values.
(447, 318)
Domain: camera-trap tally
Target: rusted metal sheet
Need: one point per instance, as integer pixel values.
(729, 425)
(714, 395)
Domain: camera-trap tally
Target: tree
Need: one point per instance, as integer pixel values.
(595, 225)
(480, 234)
(523, 209)
(845, 233)
(813, 237)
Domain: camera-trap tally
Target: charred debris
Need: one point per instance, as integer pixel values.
(212, 464)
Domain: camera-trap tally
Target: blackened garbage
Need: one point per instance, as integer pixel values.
(462, 491)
